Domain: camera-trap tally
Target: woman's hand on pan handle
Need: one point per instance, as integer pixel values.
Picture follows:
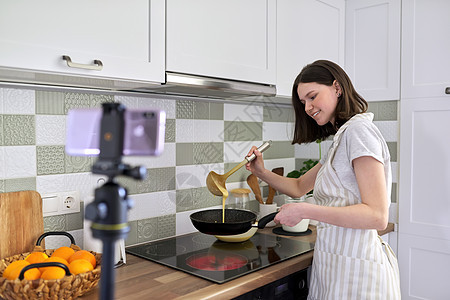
(256, 166)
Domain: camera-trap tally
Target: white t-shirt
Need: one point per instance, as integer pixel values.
(360, 138)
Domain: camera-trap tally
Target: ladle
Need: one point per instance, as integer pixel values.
(216, 182)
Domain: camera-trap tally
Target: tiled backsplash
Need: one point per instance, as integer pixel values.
(200, 136)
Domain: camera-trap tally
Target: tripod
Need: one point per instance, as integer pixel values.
(108, 211)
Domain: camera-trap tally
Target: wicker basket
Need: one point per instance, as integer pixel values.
(69, 287)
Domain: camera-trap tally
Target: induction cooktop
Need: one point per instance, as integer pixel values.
(205, 256)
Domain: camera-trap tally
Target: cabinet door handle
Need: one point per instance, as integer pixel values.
(97, 66)
(447, 90)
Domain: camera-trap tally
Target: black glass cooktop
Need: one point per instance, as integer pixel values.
(204, 256)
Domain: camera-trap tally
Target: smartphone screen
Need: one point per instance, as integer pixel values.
(144, 132)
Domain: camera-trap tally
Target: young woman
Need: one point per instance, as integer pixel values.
(352, 188)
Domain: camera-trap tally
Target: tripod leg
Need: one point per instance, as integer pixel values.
(108, 273)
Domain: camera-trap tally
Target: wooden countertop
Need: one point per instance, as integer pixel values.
(141, 279)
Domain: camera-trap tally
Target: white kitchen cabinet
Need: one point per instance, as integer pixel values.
(307, 30)
(121, 40)
(229, 39)
(372, 52)
(424, 198)
(425, 48)
(424, 267)
(424, 182)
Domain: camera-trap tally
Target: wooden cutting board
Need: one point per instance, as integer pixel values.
(21, 222)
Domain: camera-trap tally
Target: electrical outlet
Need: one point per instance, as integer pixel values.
(61, 203)
(70, 201)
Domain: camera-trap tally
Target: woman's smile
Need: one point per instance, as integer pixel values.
(319, 101)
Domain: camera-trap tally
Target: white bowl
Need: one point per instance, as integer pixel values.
(301, 226)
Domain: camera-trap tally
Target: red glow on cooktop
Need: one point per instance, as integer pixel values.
(210, 262)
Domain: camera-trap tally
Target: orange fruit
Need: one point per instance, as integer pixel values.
(54, 259)
(53, 273)
(36, 257)
(83, 254)
(64, 252)
(30, 274)
(78, 266)
(14, 265)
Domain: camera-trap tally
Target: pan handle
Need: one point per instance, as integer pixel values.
(266, 219)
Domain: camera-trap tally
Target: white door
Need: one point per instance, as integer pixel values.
(117, 39)
(372, 52)
(424, 185)
(424, 198)
(424, 267)
(229, 39)
(425, 48)
(307, 30)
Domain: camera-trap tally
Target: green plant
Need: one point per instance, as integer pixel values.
(307, 165)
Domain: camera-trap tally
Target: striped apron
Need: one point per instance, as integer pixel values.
(349, 263)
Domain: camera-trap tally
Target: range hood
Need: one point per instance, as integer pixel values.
(176, 84)
(198, 86)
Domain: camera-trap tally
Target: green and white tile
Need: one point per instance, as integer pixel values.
(18, 102)
(76, 100)
(278, 114)
(19, 130)
(20, 184)
(166, 226)
(50, 129)
(19, 162)
(170, 131)
(50, 160)
(185, 109)
(55, 223)
(96, 100)
(74, 221)
(243, 113)
(77, 164)
(1, 130)
(50, 103)
(242, 131)
(200, 136)
(147, 230)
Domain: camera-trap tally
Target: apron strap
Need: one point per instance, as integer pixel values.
(390, 255)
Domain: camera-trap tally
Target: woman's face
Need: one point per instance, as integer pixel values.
(320, 100)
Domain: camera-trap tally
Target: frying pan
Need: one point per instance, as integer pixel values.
(237, 221)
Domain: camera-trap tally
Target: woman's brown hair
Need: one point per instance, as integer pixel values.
(349, 103)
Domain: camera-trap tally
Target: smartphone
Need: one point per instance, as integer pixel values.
(144, 132)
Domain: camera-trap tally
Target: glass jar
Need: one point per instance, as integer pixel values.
(294, 200)
(239, 199)
(305, 198)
